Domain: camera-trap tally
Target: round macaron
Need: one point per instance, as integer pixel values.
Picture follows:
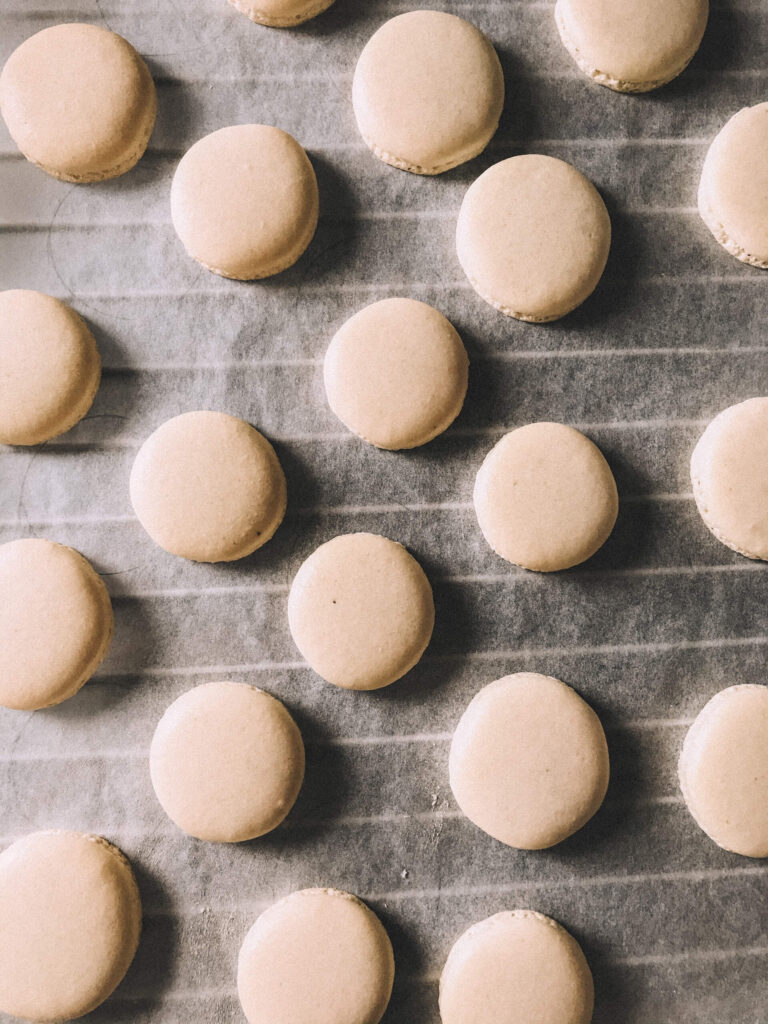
(244, 201)
(723, 770)
(208, 487)
(631, 45)
(361, 612)
(545, 497)
(406, 85)
(70, 918)
(529, 762)
(49, 367)
(281, 13)
(56, 623)
(317, 956)
(729, 473)
(79, 102)
(516, 967)
(733, 191)
(227, 762)
(396, 373)
(533, 237)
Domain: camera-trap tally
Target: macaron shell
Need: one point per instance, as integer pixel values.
(545, 497)
(208, 487)
(396, 373)
(318, 956)
(56, 623)
(533, 237)
(529, 761)
(50, 367)
(70, 919)
(281, 13)
(632, 45)
(515, 968)
(723, 770)
(733, 191)
(244, 201)
(79, 102)
(405, 90)
(227, 762)
(729, 474)
(361, 611)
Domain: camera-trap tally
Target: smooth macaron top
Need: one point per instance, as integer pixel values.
(226, 762)
(281, 13)
(428, 91)
(49, 367)
(56, 623)
(529, 761)
(317, 956)
(360, 610)
(244, 201)
(729, 474)
(533, 237)
(733, 191)
(70, 918)
(78, 101)
(723, 769)
(209, 487)
(545, 497)
(396, 373)
(516, 967)
(632, 45)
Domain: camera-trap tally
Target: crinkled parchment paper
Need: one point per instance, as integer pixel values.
(676, 929)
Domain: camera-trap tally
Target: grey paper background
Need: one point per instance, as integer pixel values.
(676, 930)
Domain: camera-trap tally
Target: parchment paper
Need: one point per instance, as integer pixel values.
(676, 930)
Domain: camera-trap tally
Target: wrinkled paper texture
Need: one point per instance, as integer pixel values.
(660, 619)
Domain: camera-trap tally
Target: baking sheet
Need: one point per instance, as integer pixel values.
(664, 616)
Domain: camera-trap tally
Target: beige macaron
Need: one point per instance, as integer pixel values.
(533, 237)
(318, 956)
(208, 487)
(281, 13)
(733, 191)
(396, 373)
(226, 762)
(632, 45)
(428, 92)
(723, 769)
(79, 102)
(545, 497)
(729, 473)
(529, 762)
(244, 201)
(70, 919)
(361, 612)
(49, 367)
(56, 623)
(517, 967)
